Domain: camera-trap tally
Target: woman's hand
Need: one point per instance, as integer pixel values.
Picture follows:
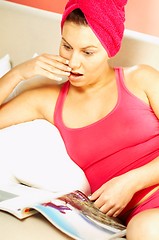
(46, 65)
(113, 196)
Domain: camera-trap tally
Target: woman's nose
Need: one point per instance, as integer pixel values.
(74, 61)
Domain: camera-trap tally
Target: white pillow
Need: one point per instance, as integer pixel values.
(35, 154)
(5, 65)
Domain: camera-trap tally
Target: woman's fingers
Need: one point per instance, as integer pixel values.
(50, 66)
(55, 69)
(111, 210)
(108, 199)
(55, 62)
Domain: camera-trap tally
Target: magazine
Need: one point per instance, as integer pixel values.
(73, 213)
(17, 199)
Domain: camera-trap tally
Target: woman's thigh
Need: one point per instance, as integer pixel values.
(144, 225)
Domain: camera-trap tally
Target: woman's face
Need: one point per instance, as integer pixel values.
(87, 57)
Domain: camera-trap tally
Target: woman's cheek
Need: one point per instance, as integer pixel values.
(63, 53)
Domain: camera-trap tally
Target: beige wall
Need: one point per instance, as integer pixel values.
(141, 15)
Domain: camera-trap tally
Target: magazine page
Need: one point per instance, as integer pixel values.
(18, 199)
(76, 216)
(81, 202)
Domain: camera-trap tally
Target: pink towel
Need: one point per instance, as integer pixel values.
(105, 17)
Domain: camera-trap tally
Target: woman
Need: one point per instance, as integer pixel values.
(108, 119)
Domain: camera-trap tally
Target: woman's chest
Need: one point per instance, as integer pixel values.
(82, 112)
(128, 125)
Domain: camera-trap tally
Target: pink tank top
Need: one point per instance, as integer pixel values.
(125, 139)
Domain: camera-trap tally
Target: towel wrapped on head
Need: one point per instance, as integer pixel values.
(105, 17)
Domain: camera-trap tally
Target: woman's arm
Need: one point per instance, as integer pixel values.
(113, 196)
(30, 104)
(46, 65)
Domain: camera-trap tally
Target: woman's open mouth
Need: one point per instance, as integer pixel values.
(75, 76)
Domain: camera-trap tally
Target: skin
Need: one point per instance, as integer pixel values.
(81, 52)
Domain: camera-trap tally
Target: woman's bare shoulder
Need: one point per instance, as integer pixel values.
(144, 76)
(142, 81)
(32, 104)
(46, 96)
(141, 71)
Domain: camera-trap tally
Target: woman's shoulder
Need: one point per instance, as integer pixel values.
(141, 70)
(142, 75)
(35, 83)
(42, 89)
(43, 98)
(46, 92)
(142, 81)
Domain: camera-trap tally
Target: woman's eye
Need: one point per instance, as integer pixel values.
(67, 47)
(88, 53)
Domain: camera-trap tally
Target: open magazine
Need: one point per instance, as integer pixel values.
(73, 213)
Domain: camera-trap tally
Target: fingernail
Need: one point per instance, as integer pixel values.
(69, 69)
(67, 73)
(67, 61)
(90, 197)
(58, 78)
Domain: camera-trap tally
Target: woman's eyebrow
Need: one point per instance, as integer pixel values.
(83, 48)
(65, 41)
(90, 46)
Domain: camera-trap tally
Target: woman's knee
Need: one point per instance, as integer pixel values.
(144, 225)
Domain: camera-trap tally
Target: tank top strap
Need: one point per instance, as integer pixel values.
(65, 88)
(120, 81)
(60, 102)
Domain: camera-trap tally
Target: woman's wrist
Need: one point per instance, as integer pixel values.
(135, 180)
(12, 78)
(16, 76)
(8, 83)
